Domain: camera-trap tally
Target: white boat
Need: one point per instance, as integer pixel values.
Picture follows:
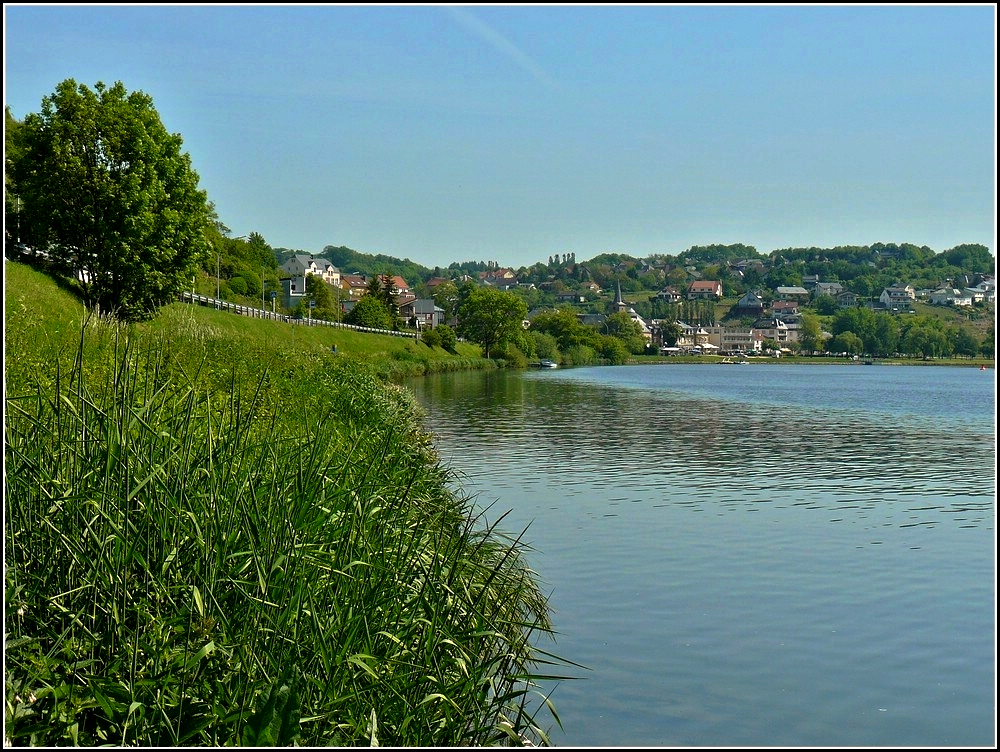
(547, 364)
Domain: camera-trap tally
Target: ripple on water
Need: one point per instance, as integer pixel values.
(767, 558)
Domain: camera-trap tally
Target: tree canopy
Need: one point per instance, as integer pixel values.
(106, 191)
(622, 327)
(327, 306)
(370, 311)
(491, 317)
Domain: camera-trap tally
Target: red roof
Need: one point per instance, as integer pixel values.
(706, 285)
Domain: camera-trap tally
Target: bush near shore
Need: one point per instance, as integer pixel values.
(214, 538)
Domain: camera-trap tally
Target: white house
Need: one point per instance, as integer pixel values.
(704, 288)
(950, 296)
(302, 264)
(985, 291)
(899, 296)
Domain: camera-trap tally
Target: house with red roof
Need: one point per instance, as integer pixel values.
(705, 289)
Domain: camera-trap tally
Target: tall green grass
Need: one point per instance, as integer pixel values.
(211, 542)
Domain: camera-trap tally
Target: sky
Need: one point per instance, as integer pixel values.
(510, 133)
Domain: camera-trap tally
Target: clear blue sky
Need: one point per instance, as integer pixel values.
(444, 133)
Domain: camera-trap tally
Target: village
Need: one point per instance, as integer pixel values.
(775, 329)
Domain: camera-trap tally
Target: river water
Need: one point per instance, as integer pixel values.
(762, 555)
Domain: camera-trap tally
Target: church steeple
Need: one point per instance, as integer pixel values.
(619, 304)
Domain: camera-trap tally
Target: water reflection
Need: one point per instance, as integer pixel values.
(692, 451)
(768, 557)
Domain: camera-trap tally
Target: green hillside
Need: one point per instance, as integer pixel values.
(55, 314)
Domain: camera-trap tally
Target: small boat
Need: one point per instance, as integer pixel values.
(547, 364)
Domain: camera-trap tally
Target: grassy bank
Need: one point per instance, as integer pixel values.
(215, 536)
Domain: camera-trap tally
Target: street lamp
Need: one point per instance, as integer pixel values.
(218, 269)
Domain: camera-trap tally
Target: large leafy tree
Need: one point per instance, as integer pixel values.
(566, 328)
(491, 317)
(860, 322)
(885, 337)
(811, 333)
(371, 312)
(671, 332)
(621, 326)
(963, 341)
(106, 190)
(969, 256)
(613, 349)
(846, 342)
(926, 340)
(12, 202)
(322, 293)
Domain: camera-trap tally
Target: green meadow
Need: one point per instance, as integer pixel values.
(219, 531)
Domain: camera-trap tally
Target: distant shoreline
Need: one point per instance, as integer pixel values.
(818, 360)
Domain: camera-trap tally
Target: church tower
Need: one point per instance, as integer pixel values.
(619, 305)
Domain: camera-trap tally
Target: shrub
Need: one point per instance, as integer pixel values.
(448, 337)
(579, 355)
(513, 357)
(238, 285)
(370, 312)
(431, 337)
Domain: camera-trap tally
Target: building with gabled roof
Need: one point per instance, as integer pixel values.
(705, 289)
(424, 313)
(828, 288)
(751, 303)
(669, 294)
(898, 297)
(771, 328)
(354, 284)
(792, 292)
(301, 265)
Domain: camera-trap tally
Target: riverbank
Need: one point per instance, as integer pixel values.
(219, 535)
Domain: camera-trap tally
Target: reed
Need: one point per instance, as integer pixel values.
(211, 542)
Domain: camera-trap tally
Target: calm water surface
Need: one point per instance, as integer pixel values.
(762, 555)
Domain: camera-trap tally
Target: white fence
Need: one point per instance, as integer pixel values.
(259, 313)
